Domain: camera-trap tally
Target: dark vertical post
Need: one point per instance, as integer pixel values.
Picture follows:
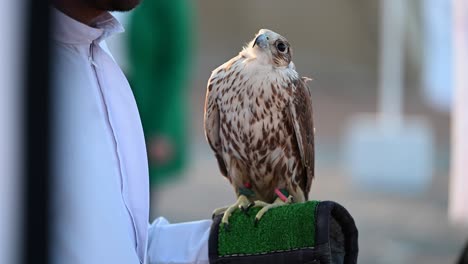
(36, 133)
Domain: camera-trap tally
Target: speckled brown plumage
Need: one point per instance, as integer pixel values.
(258, 121)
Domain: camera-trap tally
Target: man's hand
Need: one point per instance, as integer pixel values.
(160, 149)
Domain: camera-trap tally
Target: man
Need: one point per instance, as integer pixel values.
(159, 77)
(100, 193)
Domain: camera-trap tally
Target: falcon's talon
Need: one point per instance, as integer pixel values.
(266, 206)
(240, 203)
(219, 211)
(256, 222)
(245, 210)
(226, 227)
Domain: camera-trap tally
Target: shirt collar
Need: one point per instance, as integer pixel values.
(68, 30)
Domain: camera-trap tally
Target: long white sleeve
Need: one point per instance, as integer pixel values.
(183, 243)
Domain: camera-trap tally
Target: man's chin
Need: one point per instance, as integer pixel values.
(123, 5)
(114, 5)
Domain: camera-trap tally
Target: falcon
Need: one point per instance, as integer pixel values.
(258, 121)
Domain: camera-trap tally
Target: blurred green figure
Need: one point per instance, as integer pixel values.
(160, 55)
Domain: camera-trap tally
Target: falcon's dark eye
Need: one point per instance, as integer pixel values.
(281, 47)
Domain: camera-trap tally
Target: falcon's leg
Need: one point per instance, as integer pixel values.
(221, 210)
(279, 201)
(242, 202)
(245, 191)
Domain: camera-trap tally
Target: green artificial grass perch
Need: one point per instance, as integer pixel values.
(283, 228)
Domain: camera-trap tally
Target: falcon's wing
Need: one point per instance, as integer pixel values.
(301, 116)
(211, 124)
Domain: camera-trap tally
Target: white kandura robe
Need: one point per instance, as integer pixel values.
(100, 191)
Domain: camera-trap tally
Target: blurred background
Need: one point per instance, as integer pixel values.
(337, 43)
(382, 69)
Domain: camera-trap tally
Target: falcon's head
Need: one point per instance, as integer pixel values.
(270, 48)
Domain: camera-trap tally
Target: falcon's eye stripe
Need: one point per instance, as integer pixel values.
(281, 47)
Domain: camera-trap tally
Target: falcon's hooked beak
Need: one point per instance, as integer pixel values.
(261, 41)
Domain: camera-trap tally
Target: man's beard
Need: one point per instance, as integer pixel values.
(113, 5)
